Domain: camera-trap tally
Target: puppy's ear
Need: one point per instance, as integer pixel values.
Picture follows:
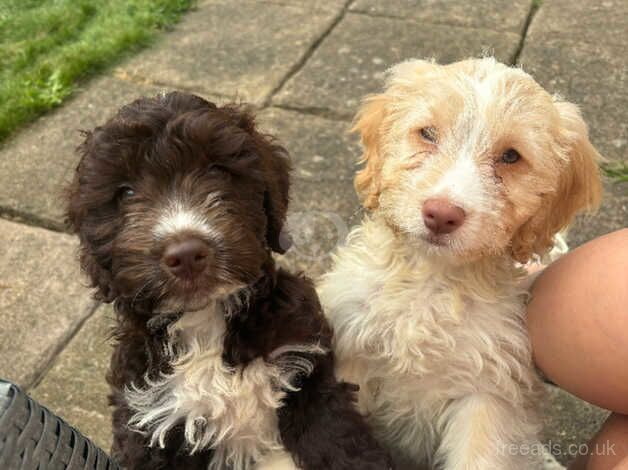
(276, 197)
(275, 163)
(579, 187)
(368, 123)
(76, 218)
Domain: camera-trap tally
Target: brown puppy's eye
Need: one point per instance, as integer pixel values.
(429, 134)
(125, 192)
(218, 170)
(510, 156)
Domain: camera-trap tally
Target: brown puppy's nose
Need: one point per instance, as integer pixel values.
(186, 258)
(441, 216)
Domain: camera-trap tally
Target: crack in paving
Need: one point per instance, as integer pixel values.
(296, 68)
(535, 5)
(31, 220)
(49, 362)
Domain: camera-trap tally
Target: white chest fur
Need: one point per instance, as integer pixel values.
(418, 336)
(231, 410)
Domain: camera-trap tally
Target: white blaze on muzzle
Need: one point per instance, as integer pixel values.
(461, 184)
(177, 218)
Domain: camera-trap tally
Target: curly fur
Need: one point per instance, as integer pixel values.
(232, 369)
(431, 327)
(238, 418)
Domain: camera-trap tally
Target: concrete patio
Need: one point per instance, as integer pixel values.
(304, 65)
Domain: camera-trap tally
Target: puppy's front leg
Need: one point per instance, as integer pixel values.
(321, 428)
(132, 450)
(485, 432)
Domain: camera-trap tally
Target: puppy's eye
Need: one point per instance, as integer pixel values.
(217, 170)
(125, 192)
(510, 156)
(429, 134)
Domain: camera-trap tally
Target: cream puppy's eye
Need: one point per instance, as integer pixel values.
(510, 156)
(429, 134)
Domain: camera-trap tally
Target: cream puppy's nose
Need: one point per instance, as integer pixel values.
(441, 216)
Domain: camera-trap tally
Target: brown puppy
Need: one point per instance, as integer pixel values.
(221, 360)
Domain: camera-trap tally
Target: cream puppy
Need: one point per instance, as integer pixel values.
(470, 170)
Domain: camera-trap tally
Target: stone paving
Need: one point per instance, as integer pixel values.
(304, 65)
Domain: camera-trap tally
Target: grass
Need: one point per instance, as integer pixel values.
(617, 171)
(48, 46)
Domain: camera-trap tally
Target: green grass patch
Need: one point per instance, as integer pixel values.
(616, 171)
(47, 46)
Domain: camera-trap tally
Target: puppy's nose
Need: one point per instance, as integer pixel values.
(186, 258)
(441, 216)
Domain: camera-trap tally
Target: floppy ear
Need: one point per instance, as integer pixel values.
(276, 197)
(368, 123)
(579, 187)
(275, 163)
(77, 219)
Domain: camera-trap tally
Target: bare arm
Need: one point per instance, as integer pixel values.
(578, 321)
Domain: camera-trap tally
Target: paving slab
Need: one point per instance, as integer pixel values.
(335, 5)
(319, 220)
(352, 60)
(568, 423)
(236, 49)
(321, 149)
(42, 299)
(75, 387)
(323, 203)
(612, 215)
(598, 22)
(498, 15)
(38, 162)
(601, 92)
